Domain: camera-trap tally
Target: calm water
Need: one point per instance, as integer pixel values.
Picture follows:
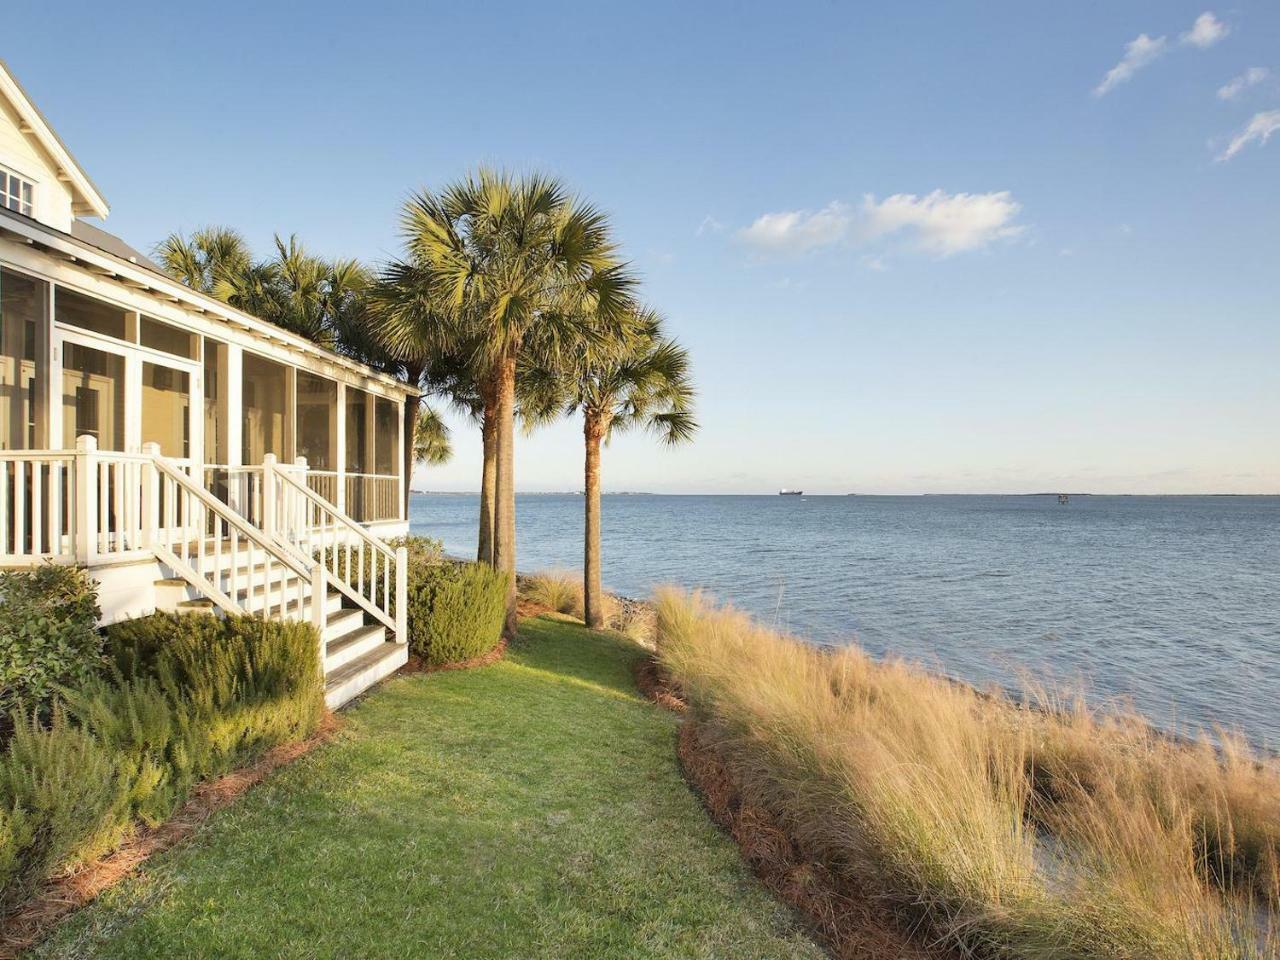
(1173, 602)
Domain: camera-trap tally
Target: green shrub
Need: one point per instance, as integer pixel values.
(456, 610)
(255, 682)
(62, 799)
(159, 744)
(181, 698)
(48, 634)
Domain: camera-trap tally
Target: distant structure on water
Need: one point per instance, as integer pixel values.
(784, 492)
(1063, 498)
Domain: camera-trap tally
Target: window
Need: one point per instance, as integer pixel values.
(89, 314)
(161, 336)
(16, 193)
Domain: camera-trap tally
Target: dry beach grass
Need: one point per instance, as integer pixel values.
(982, 826)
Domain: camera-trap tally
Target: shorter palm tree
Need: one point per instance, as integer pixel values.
(431, 443)
(640, 380)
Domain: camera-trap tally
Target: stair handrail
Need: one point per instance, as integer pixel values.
(308, 570)
(394, 616)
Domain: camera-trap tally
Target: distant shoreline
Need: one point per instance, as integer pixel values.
(843, 496)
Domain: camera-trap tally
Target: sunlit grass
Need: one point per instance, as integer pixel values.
(529, 809)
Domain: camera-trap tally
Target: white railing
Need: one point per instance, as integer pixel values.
(262, 539)
(37, 506)
(372, 497)
(237, 565)
(361, 566)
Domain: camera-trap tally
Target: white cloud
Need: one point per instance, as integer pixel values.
(1144, 50)
(1137, 54)
(1258, 130)
(945, 224)
(1206, 31)
(796, 231)
(939, 223)
(709, 224)
(1250, 78)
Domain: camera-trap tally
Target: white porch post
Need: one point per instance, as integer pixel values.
(402, 594)
(402, 504)
(86, 505)
(150, 498)
(239, 489)
(340, 449)
(290, 414)
(235, 404)
(269, 482)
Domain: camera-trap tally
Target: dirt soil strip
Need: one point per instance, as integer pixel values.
(59, 896)
(846, 920)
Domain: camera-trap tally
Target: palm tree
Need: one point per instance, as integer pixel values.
(515, 263)
(208, 257)
(431, 443)
(641, 380)
(319, 299)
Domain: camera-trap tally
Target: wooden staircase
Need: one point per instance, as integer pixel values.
(305, 560)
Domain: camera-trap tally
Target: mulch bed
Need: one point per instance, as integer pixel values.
(654, 682)
(59, 896)
(846, 920)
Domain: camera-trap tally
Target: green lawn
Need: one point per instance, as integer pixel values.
(528, 809)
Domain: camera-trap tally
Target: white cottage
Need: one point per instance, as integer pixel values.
(189, 455)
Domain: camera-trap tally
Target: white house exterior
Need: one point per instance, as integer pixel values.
(189, 455)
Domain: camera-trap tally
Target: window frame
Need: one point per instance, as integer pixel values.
(25, 198)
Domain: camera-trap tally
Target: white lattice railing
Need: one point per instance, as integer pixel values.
(37, 506)
(236, 564)
(260, 538)
(363, 567)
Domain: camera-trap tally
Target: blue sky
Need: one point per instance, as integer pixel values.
(913, 247)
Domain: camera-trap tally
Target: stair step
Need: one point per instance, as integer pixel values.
(353, 645)
(342, 622)
(354, 678)
(254, 600)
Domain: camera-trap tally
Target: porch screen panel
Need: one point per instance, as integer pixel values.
(386, 445)
(92, 397)
(166, 409)
(215, 412)
(357, 431)
(22, 324)
(317, 421)
(90, 314)
(265, 409)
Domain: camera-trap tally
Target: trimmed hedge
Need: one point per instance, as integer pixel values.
(456, 610)
(48, 635)
(180, 699)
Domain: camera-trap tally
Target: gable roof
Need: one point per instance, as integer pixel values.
(86, 198)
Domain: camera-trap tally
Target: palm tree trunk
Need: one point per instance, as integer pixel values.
(504, 526)
(488, 477)
(592, 592)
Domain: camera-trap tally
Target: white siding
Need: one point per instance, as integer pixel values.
(20, 153)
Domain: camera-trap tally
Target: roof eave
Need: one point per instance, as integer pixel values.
(88, 200)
